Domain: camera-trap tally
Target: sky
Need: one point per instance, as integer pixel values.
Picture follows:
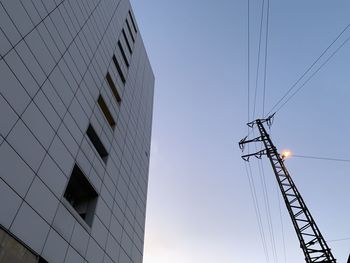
(199, 207)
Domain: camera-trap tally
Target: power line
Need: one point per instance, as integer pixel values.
(265, 62)
(259, 52)
(309, 69)
(249, 171)
(313, 74)
(256, 209)
(321, 158)
(248, 60)
(259, 214)
(266, 49)
(268, 210)
(340, 239)
(267, 207)
(280, 215)
(282, 227)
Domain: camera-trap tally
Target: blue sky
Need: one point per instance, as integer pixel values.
(199, 203)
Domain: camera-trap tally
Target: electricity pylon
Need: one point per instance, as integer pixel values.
(311, 240)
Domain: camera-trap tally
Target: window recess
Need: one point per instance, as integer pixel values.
(103, 106)
(120, 72)
(123, 53)
(132, 21)
(130, 32)
(113, 88)
(101, 150)
(127, 41)
(81, 196)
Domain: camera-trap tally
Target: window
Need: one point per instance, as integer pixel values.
(132, 21)
(127, 41)
(91, 133)
(113, 88)
(106, 111)
(123, 54)
(128, 26)
(120, 72)
(12, 250)
(81, 195)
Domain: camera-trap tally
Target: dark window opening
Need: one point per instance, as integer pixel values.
(123, 54)
(106, 111)
(120, 72)
(113, 88)
(128, 26)
(81, 195)
(132, 21)
(91, 133)
(127, 41)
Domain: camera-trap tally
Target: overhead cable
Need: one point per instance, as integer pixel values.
(320, 158)
(256, 209)
(258, 61)
(309, 69)
(340, 239)
(266, 50)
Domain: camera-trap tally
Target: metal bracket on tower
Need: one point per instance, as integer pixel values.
(258, 155)
(245, 141)
(268, 120)
(261, 138)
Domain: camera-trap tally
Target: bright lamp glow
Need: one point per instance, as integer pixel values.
(286, 154)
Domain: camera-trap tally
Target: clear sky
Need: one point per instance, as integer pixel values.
(199, 206)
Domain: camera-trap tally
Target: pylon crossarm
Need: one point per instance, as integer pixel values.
(245, 141)
(258, 155)
(268, 120)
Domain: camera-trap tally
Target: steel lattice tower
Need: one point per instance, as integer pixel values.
(311, 240)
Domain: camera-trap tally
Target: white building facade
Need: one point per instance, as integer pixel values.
(76, 102)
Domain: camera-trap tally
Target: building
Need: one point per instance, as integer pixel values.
(76, 98)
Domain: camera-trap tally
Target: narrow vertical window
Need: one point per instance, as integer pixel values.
(132, 21)
(113, 88)
(120, 72)
(101, 102)
(123, 53)
(127, 41)
(131, 34)
(101, 150)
